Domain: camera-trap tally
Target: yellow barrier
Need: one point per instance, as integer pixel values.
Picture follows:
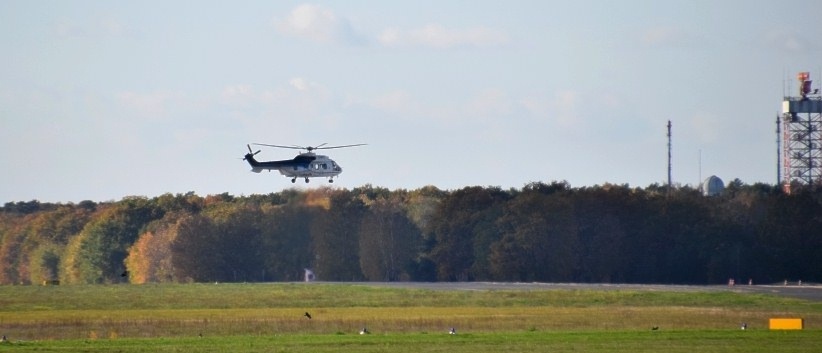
(787, 324)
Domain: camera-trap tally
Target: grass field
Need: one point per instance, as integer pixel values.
(269, 318)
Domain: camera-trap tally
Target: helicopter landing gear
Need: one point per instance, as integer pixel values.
(330, 180)
(306, 180)
(293, 180)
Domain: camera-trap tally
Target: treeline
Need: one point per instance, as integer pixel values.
(542, 232)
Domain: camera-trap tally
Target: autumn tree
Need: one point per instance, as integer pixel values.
(97, 253)
(542, 232)
(12, 238)
(48, 235)
(150, 257)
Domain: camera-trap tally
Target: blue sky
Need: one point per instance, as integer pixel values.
(100, 100)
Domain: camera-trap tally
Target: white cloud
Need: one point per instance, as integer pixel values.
(396, 101)
(299, 83)
(106, 26)
(658, 35)
(535, 106)
(560, 108)
(391, 37)
(301, 99)
(152, 104)
(305, 87)
(786, 40)
(65, 28)
(706, 127)
(564, 107)
(239, 94)
(243, 94)
(492, 102)
(317, 23)
(321, 24)
(438, 36)
(610, 100)
(669, 36)
(113, 26)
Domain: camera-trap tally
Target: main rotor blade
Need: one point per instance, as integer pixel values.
(278, 146)
(309, 148)
(332, 147)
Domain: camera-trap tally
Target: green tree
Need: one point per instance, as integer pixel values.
(422, 205)
(239, 240)
(388, 241)
(788, 243)
(462, 215)
(195, 250)
(286, 242)
(45, 263)
(601, 237)
(335, 236)
(539, 238)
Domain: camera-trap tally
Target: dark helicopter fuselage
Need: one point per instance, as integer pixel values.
(305, 165)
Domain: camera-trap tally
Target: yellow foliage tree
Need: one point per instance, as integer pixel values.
(149, 258)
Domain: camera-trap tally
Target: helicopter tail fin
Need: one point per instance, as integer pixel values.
(254, 164)
(249, 157)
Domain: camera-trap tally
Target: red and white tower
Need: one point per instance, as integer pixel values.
(802, 136)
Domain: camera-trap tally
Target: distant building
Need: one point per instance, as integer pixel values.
(712, 186)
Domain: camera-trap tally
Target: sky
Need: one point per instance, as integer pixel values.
(101, 100)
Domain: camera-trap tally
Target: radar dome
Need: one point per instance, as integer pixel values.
(712, 186)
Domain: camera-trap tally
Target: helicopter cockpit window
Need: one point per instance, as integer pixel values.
(325, 166)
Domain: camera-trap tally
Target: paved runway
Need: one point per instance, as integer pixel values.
(809, 292)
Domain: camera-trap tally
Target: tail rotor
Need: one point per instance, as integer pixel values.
(250, 154)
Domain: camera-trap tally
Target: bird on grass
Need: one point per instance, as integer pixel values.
(452, 331)
(654, 328)
(307, 315)
(364, 331)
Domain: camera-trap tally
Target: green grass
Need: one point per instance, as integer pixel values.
(295, 295)
(703, 341)
(269, 318)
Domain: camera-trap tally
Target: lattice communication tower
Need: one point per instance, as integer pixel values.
(802, 136)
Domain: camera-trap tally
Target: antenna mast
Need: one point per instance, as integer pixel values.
(778, 150)
(669, 157)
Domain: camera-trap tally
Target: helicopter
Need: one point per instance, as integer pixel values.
(305, 165)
